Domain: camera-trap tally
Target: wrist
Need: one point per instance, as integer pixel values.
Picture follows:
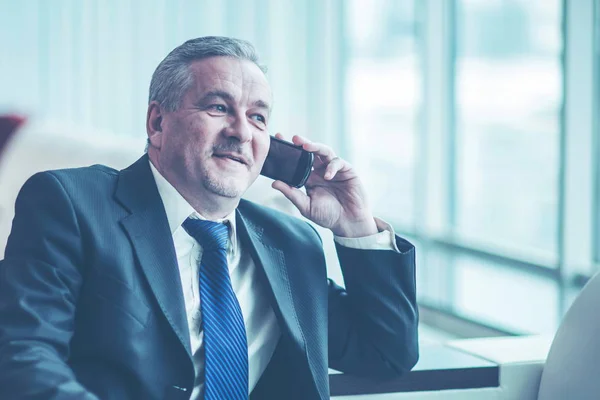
(366, 227)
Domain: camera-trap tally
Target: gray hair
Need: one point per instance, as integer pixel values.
(172, 78)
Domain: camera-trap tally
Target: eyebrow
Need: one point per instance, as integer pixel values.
(217, 93)
(228, 97)
(262, 104)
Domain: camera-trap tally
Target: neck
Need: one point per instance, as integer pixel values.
(206, 203)
(211, 206)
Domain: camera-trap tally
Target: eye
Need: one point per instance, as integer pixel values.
(220, 108)
(260, 118)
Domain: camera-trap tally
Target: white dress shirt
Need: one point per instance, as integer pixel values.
(262, 329)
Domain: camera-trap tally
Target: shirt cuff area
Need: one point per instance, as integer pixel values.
(384, 240)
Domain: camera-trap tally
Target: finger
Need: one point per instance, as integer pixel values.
(299, 140)
(295, 195)
(333, 167)
(279, 136)
(319, 164)
(314, 147)
(323, 151)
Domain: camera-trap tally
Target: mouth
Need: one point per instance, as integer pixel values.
(235, 157)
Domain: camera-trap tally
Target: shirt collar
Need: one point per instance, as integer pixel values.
(178, 209)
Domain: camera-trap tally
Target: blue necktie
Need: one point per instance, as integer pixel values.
(225, 343)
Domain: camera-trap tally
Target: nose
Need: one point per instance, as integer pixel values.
(239, 129)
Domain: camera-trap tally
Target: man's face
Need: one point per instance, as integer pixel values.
(217, 141)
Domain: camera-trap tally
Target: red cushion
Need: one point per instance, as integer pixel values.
(8, 126)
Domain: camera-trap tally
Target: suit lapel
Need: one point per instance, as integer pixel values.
(273, 262)
(149, 233)
(268, 254)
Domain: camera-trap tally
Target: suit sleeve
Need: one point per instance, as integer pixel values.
(373, 322)
(39, 286)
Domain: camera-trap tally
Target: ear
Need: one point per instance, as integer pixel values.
(154, 120)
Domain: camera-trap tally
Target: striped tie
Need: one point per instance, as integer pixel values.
(225, 343)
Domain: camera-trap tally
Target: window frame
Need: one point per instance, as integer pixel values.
(578, 209)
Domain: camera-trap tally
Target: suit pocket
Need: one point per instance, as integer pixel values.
(112, 295)
(113, 326)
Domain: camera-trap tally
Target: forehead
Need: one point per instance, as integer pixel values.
(241, 78)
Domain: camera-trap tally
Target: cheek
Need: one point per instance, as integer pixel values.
(261, 148)
(187, 144)
(192, 136)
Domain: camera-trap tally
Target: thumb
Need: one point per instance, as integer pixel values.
(296, 196)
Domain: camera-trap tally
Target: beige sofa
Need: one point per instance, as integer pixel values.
(38, 147)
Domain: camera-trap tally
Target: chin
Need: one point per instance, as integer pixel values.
(226, 187)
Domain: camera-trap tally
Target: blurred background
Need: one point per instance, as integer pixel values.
(472, 122)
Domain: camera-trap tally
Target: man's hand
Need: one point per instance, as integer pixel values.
(335, 197)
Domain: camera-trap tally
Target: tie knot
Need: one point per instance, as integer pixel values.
(210, 235)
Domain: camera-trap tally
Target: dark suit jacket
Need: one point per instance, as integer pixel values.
(91, 299)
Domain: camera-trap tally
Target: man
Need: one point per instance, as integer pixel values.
(158, 281)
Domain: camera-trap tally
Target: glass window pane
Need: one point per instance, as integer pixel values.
(435, 276)
(508, 99)
(383, 87)
(502, 296)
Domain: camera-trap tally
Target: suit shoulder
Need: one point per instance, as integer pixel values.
(92, 172)
(93, 182)
(84, 177)
(67, 175)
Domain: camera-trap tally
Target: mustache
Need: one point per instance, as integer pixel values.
(234, 147)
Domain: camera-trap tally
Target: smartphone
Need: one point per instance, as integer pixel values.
(288, 163)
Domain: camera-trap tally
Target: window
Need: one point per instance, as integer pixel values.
(383, 91)
(508, 104)
(479, 84)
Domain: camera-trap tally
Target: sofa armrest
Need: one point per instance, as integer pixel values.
(521, 360)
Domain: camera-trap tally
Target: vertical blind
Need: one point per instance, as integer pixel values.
(88, 63)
